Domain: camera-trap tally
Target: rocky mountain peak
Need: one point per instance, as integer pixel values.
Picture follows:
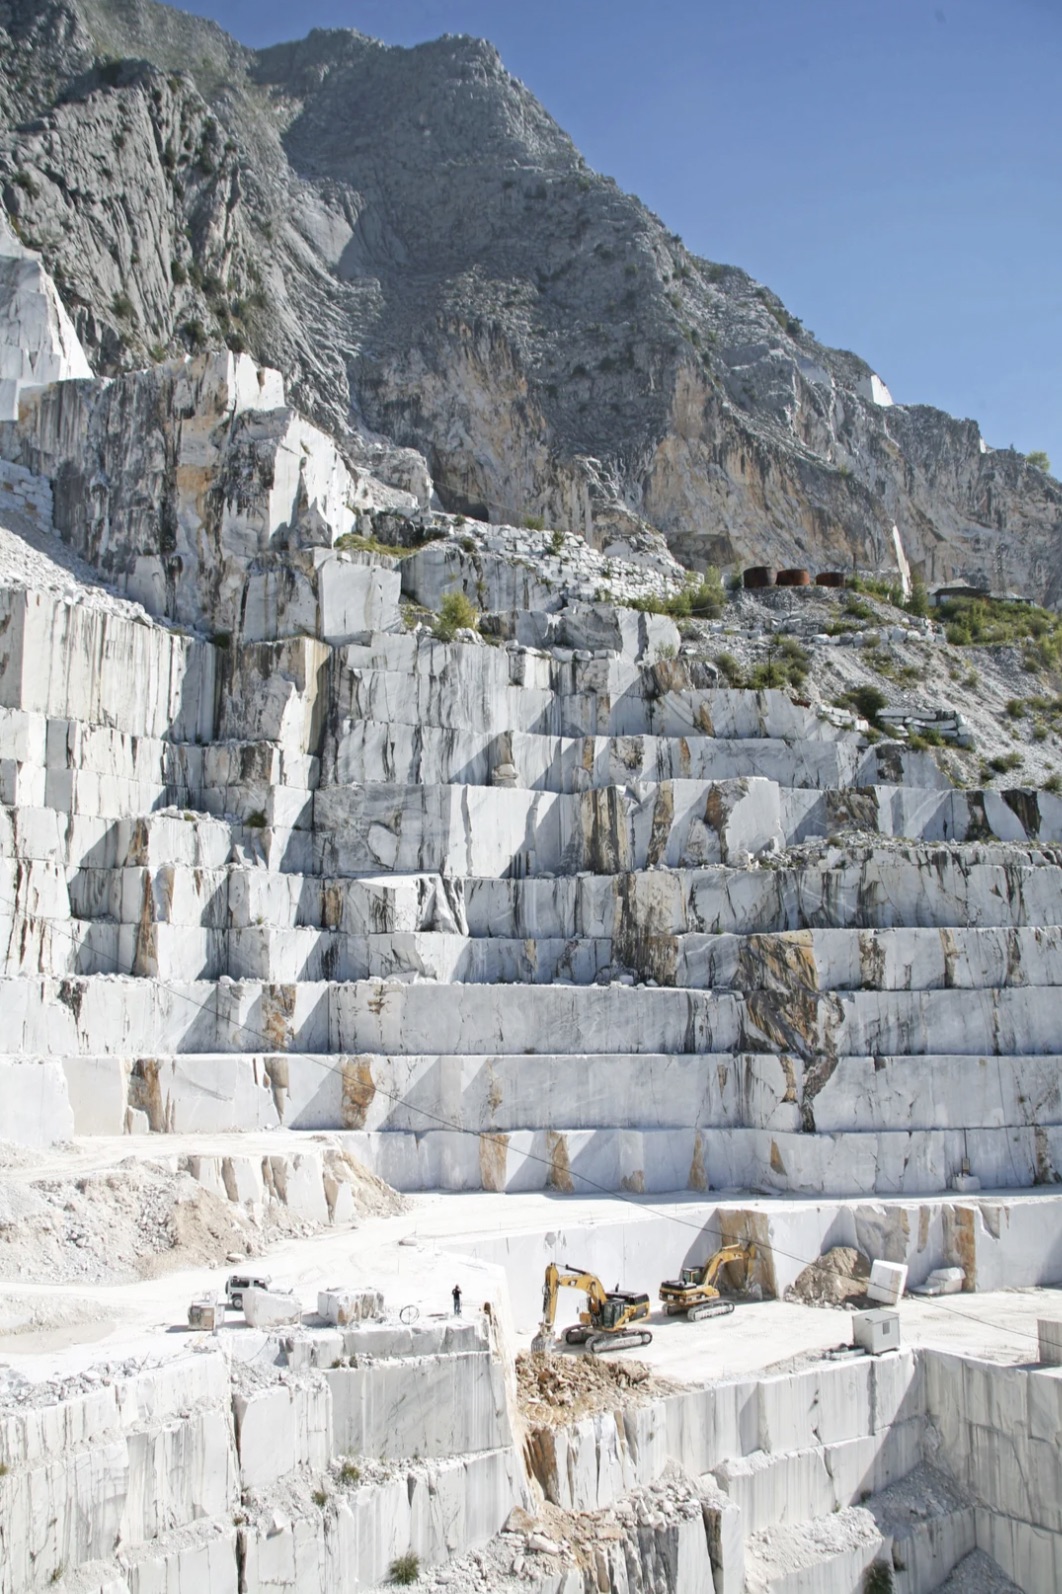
(413, 240)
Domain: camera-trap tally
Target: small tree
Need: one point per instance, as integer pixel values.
(1039, 459)
(456, 613)
(918, 602)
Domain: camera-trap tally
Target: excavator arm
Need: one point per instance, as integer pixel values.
(569, 1278)
(729, 1253)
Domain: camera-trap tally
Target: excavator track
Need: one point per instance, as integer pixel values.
(576, 1335)
(709, 1309)
(598, 1344)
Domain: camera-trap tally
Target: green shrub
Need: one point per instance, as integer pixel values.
(349, 1472)
(122, 306)
(767, 676)
(1003, 763)
(703, 597)
(731, 669)
(405, 1568)
(867, 701)
(1015, 708)
(1053, 783)
(320, 1497)
(534, 523)
(877, 587)
(785, 665)
(1039, 459)
(985, 622)
(456, 613)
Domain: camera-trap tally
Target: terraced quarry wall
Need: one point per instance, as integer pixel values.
(545, 906)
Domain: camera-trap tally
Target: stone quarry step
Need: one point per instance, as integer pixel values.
(779, 1487)
(368, 750)
(122, 1016)
(824, 1555)
(916, 887)
(410, 680)
(473, 830)
(525, 1123)
(583, 1161)
(148, 943)
(863, 887)
(927, 1523)
(152, 840)
(70, 661)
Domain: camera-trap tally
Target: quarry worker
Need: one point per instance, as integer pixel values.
(456, 1292)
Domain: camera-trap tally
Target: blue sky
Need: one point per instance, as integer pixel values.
(891, 168)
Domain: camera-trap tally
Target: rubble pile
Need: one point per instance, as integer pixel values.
(560, 1388)
(142, 1215)
(838, 1278)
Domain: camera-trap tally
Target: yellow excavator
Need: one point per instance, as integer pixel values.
(695, 1291)
(607, 1322)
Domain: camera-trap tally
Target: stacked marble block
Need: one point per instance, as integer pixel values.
(515, 918)
(198, 1474)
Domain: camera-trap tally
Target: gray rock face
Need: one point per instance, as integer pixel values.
(413, 241)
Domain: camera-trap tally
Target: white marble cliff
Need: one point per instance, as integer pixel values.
(539, 902)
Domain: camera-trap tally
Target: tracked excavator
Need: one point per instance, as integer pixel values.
(607, 1323)
(695, 1291)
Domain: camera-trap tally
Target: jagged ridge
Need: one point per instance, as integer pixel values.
(416, 244)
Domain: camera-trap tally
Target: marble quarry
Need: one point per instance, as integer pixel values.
(235, 1476)
(539, 908)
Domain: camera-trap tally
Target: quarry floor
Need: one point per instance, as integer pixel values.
(481, 1241)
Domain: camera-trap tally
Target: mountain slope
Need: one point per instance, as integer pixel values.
(420, 248)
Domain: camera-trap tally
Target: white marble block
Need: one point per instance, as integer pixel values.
(887, 1282)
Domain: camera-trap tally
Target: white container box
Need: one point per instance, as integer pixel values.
(876, 1331)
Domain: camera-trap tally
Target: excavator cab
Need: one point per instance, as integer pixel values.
(621, 1308)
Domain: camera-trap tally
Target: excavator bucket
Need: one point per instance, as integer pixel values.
(543, 1340)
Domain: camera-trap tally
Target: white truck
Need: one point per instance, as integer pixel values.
(235, 1285)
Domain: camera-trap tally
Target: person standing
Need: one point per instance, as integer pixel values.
(456, 1292)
